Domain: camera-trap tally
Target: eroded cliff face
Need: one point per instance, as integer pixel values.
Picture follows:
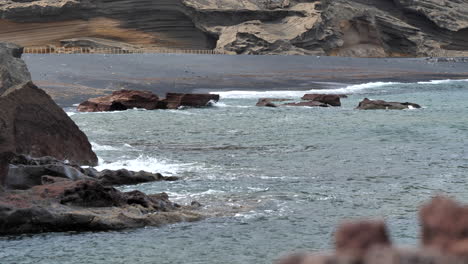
(359, 28)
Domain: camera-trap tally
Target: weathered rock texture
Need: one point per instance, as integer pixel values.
(362, 28)
(444, 240)
(367, 104)
(26, 172)
(128, 99)
(84, 206)
(30, 121)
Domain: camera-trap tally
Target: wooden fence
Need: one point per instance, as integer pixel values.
(55, 50)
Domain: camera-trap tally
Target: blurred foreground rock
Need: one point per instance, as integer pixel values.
(444, 240)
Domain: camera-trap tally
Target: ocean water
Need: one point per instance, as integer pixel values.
(272, 180)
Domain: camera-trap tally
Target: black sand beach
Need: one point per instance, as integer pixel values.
(73, 78)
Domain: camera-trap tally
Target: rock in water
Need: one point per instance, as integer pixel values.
(31, 122)
(121, 100)
(176, 100)
(330, 99)
(367, 104)
(309, 104)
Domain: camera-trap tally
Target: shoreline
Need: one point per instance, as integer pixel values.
(73, 78)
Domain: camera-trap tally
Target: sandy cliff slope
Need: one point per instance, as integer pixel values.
(361, 28)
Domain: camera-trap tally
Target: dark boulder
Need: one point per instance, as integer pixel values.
(92, 194)
(124, 177)
(121, 100)
(367, 104)
(176, 100)
(330, 99)
(30, 121)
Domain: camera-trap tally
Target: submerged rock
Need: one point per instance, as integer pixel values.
(121, 100)
(176, 100)
(308, 103)
(30, 121)
(330, 99)
(367, 104)
(269, 101)
(125, 177)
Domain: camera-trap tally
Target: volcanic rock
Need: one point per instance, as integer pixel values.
(367, 104)
(85, 206)
(121, 100)
(30, 122)
(125, 177)
(176, 100)
(330, 99)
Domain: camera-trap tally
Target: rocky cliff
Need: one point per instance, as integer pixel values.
(361, 28)
(30, 121)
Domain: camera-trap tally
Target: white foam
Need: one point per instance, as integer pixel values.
(238, 94)
(443, 81)
(97, 147)
(145, 163)
(71, 113)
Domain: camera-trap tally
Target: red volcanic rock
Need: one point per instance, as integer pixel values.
(176, 100)
(355, 238)
(445, 226)
(309, 103)
(121, 100)
(367, 104)
(331, 99)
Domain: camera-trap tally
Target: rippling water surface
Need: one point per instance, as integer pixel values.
(276, 179)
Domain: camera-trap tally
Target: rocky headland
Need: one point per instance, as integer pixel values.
(358, 28)
(43, 186)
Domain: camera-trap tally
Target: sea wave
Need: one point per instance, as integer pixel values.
(239, 94)
(443, 81)
(97, 147)
(145, 163)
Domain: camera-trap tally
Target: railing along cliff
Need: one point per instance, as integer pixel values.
(52, 50)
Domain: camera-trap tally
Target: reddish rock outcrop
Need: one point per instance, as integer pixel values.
(268, 102)
(330, 99)
(367, 104)
(121, 100)
(128, 99)
(176, 100)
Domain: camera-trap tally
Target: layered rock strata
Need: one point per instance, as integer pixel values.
(361, 28)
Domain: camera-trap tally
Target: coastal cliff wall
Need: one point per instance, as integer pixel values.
(358, 28)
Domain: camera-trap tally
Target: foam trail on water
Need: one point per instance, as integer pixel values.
(238, 94)
(145, 163)
(443, 81)
(97, 147)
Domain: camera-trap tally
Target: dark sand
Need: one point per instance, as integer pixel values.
(72, 78)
